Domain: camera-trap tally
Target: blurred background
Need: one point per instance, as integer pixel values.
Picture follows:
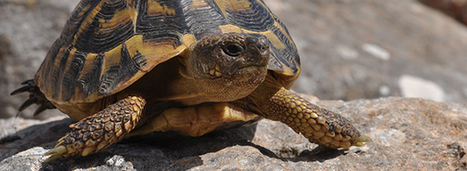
(361, 49)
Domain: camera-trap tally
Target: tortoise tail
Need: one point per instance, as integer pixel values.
(35, 97)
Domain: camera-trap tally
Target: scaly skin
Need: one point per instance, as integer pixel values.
(319, 125)
(100, 130)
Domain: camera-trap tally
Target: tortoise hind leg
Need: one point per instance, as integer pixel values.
(100, 130)
(35, 96)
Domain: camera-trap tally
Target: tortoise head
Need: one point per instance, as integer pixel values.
(226, 55)
(237, 61)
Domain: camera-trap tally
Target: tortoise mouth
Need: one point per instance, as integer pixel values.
(236, 68)
(248, 75)
(249, 68)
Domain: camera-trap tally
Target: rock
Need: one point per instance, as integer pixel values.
(411, 86)
(27, 30)
(407, 133)
(360, 49)
(5, 47)
(33, 133)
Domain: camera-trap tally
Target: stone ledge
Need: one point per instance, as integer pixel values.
(407, 133)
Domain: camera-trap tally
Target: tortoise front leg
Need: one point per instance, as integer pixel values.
(100, 130)
(319, 125)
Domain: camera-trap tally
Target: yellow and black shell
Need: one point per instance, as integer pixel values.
(107, 45)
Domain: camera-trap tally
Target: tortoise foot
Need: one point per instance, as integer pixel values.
(319, 125)
(100, 130)
(35, 97)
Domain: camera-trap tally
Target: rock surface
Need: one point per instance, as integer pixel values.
(361, 49)
(407, 134)
(27, 30)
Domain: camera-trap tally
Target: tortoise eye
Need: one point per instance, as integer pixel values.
(233, 50)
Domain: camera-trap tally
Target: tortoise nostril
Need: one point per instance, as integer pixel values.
(258, 41)
(262, 44)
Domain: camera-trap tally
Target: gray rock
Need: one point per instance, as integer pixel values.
(407, 133)
(353, 49)
(411, 86)
(27, 30)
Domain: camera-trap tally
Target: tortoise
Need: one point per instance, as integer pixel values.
(122, 68)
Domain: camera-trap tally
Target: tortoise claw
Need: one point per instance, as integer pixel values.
(55, 153)
(362, 140)
(30, 81)
(28, 103)
(35, 97)
(22, 89)
(40, 109)
(30, 85)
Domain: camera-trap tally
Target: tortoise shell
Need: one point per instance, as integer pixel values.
(107, 45)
